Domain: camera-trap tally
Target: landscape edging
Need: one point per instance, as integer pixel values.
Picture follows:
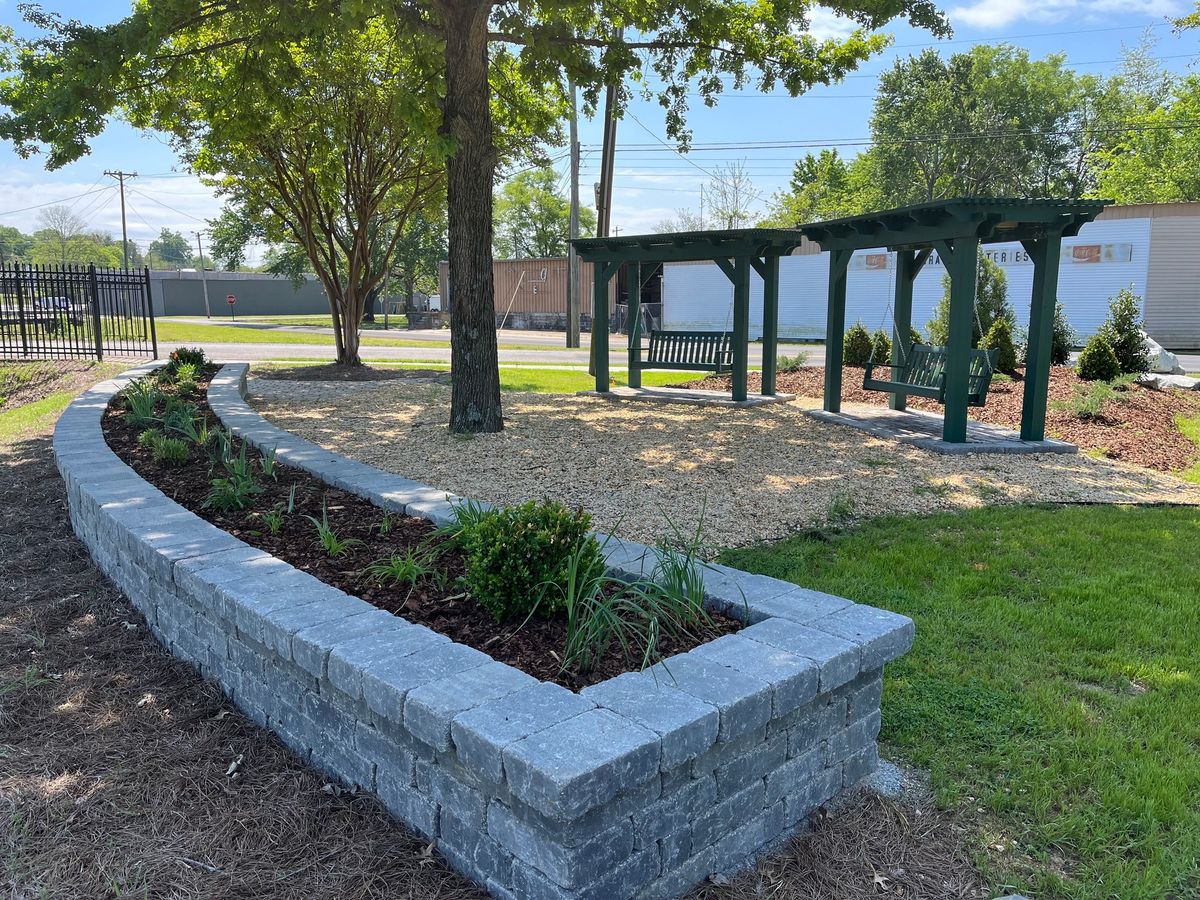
(638, 786)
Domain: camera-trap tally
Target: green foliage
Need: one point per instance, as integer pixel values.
(856, 345)
(1098, 361)
(170, 451)
(1000, 339)
(881, 346)
(411, 567)
(274, 519)
(533, 216)
(1123, 331)
(1063, 337)
(841, 508)
(327, 537)
(795, 363)
(267, 463)
(914, 336)
(516, 554)
(142, 399)
(230, 493)
(991, 303)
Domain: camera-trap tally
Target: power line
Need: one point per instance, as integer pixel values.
(12, 212)
(167, 206)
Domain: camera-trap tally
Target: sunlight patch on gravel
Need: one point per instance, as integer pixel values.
(754, 474)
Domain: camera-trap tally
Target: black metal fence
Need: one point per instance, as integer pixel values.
(75, 312)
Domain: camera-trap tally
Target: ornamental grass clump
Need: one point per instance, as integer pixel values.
(514, 554)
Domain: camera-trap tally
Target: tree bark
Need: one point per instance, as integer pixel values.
(471, 171)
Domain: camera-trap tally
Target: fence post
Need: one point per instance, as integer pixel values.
(150, 310)
(21, 312)
(96, 311)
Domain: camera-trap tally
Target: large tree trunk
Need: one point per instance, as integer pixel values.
(471, 170)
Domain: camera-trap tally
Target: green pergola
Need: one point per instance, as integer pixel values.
(955, 229)
(735, 252)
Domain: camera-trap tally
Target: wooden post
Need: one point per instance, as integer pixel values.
(961, 267)
(741, 326)
(633, 278)
(902, 320)
(1045, 253)
(770, 338)
(835, 326)
(602, 273)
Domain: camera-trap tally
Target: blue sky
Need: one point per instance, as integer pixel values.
(650, 184)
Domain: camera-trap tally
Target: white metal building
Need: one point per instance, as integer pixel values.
(1155, 248)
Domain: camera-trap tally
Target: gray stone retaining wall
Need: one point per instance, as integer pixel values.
(636, 787)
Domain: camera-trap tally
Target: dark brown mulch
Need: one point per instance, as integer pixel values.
(534, 647)
(115, 758)
(1137, 428)
(334, 372)
(864, 849)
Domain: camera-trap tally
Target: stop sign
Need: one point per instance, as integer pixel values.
(230, 299)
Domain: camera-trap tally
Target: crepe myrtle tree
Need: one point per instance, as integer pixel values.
(492, 55)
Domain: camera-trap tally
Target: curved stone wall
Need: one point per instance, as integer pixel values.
(639, 786)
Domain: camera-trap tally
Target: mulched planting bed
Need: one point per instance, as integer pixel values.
(534, 647)
(1137, 427)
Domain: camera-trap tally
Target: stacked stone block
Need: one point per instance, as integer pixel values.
(639, 786)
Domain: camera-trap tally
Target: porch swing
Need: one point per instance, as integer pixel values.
(922, 368)
(704, 351)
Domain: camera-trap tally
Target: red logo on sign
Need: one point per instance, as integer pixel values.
(230, 299)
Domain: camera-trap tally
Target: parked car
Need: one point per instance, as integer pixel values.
(60, 304)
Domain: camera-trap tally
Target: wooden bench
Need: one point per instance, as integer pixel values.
(705, 351)
(925, 375)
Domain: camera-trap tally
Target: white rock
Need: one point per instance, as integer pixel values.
(1161, 382)
(1161, 360)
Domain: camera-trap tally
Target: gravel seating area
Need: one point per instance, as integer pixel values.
(642, 469)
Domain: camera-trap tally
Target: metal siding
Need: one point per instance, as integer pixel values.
(543, 287)
(699, 296)
(1173, 283)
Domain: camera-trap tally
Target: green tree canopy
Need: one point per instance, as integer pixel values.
(170, 250)
(533, 216)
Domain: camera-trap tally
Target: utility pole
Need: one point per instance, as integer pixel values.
(203, 276)
(121, 176)
(604, 201)
(573, 292)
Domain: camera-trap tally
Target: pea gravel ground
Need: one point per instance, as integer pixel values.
(641, 469)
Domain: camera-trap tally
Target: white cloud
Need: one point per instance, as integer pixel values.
(824, 24)
(1000, 13)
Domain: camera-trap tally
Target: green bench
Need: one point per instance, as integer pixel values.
(925, 375)
(704, 351)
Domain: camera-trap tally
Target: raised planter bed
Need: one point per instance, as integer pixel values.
(640, 785)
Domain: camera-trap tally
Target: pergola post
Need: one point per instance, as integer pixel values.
(768, 270)
(1045, 253)
(961, 266)
(741, 326)
(902, 319)
(602, 273)
(633, 278)
(835, 327)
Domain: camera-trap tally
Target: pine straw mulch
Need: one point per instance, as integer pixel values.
(117, 773)
(1138, 427)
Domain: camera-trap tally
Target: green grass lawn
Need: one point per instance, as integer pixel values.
(1189, 426)
(1054, 683)
(172, 333)
(322, 320)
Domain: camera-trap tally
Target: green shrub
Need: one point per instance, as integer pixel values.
(141, 399)
(881, 347)
(231, 493)
(149, 438)
(1098, 361)
(856, 345)
(1000, 339)
(1123, 331)
(188, 356)
(1063, 338)
(515, 555)
(795, 363)
(991, 303)
(914, 336)
(170, 451)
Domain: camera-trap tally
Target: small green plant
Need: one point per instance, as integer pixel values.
(267, 463)
(514, 554)
(291, 503)
(170, 451)
(408, 568)
(1089, 402)
(1062, 338)
(142, 399)
(795, 363)
(385, 524)
(231, 493)
(179, 415)
(195, 429)
(274, 520)
(466, 516)
(1098, 361)
(328, 538)
(239, 465)
(1000, 339)
(149, 438)
(856, 345)
(187, 356)
(1123, 331)
(881, 347)
(841, 508)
